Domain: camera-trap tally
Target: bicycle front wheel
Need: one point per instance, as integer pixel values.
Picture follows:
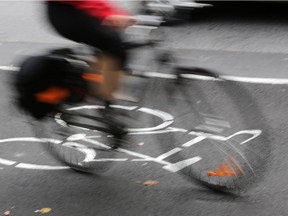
(222, 139)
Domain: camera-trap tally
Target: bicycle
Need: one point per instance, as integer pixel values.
(223, 162)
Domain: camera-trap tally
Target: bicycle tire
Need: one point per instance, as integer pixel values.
(217, 129)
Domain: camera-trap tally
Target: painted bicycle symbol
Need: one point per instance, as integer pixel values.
(131, 156)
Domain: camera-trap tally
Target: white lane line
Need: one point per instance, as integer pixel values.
(42, 167)
(7, 162)
(9, 68)
(273, 81)
(256, 80)
(160, 75)
(29, 139)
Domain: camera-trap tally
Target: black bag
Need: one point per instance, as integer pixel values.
(39, 73)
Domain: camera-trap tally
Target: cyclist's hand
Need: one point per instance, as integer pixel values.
(119, 21)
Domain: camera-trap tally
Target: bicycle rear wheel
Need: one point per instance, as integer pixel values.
(84, 141)
(223, 138)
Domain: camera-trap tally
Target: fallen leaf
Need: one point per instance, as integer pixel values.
(43, 210)
(150, 183)
(7, 213)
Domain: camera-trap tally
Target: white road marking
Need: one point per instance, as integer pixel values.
(125, 107)
(172, 167)
(40, 167)
(182, 164)
(273, 81)
(163, 115)
(253, 133)
(29, 139)
(194, 141)
(90, 154)
(76, 137)
(169, 153)
(27, 165)
(168, 130)
(167, 119)
(99, 144)
(256, 80)
(7, 162)
(110, 159)
(142, 156)
(160, 75)
(9, 68)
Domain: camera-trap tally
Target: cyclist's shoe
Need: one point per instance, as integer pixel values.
(120, 140)
(116, 125)
(115, 115)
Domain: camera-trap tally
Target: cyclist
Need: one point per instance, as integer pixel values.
(96, 23)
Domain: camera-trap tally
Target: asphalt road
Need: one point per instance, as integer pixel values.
(250, 45)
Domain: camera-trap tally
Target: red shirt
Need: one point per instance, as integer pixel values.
(97, 8)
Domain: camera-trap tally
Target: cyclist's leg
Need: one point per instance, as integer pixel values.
(112, 66)
(78, 26)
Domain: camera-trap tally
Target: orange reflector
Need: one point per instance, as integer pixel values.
(53, 95)
(225, 169)
(93, 77)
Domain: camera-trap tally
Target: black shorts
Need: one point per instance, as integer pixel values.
(79, 26)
